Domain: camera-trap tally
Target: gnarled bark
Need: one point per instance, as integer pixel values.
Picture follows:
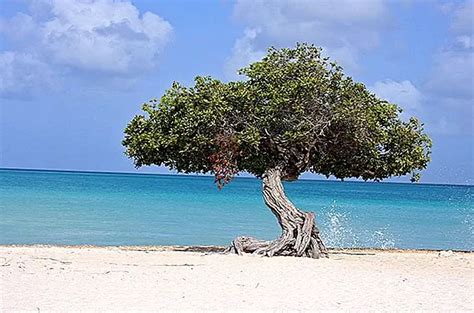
(300, 235)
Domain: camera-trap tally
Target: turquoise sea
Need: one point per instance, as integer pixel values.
(52, 207)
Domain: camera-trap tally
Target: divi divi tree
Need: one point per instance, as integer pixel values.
(294, 112)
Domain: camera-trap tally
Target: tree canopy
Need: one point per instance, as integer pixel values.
(296, 111)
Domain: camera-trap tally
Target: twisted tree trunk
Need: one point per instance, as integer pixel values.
(300, 236)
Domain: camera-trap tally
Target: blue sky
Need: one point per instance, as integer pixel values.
(73, 73)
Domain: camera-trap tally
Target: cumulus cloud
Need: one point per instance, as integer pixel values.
(243, 53)
(403, 93)
(463, 21)
(344, 28)
(21, 73)
(450, 85)
(452, 75)
(453, 68)
(445, 98)
(101, 36)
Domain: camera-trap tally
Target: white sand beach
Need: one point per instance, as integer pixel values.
(43, 278)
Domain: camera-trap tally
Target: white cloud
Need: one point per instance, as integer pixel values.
(449, 89)
(101, 36)
(445, 99)
(344, 28)
(452, 74)
(463, 18)
(403, 93)
(21, 73)
(243, 53)
(466, 42)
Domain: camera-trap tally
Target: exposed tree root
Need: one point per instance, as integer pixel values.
(300, 236)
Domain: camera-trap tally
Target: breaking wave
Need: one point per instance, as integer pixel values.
(341, 230)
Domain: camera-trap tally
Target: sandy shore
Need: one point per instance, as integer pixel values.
(42, 279)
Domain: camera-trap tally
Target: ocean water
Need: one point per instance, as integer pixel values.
(50, 207)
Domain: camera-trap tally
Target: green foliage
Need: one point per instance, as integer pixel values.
(296, 110)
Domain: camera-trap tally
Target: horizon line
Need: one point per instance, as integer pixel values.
(334, 180)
